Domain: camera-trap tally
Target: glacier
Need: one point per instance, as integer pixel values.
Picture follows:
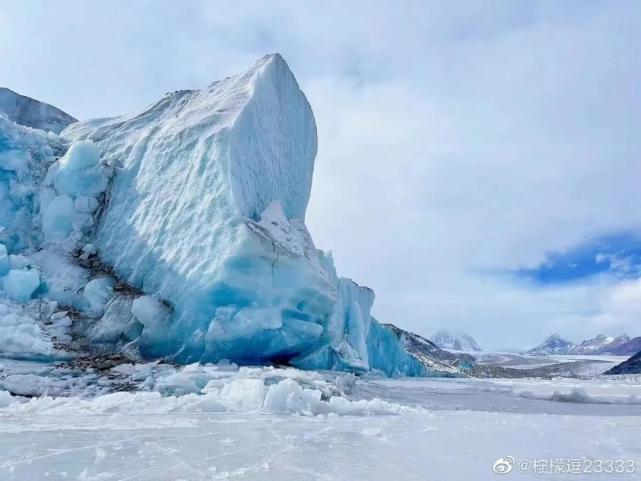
(178, 232)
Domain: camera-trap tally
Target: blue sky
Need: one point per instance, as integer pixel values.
(615, 255)
(479, 161)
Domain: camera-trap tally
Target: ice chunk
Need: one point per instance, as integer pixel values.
(153, 315)
(22, 335)
(5, 398)
(285, 396)
(79, 172)
(116, 323)
(62, 278)
(21, 284)
(247, 394)
(57, 218)
(25, 155)
(98, 292)
(59, 325)
(4, 260)
(18, 261)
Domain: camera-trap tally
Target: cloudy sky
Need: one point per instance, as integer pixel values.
(479, 163)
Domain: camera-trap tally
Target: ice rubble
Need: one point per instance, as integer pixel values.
(196, 248)
(204, 388)
(48, 207)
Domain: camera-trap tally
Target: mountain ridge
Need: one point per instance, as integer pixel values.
(33, 113)
(621, 345)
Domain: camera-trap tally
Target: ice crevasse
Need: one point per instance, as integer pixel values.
(197, 203)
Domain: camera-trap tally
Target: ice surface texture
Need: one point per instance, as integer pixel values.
(47, 207)
(25, 155)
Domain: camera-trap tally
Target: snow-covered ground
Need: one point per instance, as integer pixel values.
(223, 422)
(575, 365)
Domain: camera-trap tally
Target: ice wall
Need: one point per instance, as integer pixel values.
(25, 155)
(205, 214)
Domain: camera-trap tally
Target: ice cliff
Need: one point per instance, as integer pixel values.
(179, 232)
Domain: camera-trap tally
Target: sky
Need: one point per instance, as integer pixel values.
(479, 162)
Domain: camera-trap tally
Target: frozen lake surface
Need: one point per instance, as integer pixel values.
(421, 429)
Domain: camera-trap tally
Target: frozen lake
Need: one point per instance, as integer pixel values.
(429, 429)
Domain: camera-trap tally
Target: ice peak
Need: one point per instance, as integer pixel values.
(260, 117)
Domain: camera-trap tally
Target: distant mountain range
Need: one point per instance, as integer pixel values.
(455, 341)
(622, 345)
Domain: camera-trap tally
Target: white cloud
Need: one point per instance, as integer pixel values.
(621, 306)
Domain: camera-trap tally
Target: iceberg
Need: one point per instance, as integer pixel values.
(179, 232)
(206, 212)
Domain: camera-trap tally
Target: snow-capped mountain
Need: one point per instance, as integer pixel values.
(454, 341)
(554, 344)
(178, 232)
(599, 345)
(33, 113)
(627, 348)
